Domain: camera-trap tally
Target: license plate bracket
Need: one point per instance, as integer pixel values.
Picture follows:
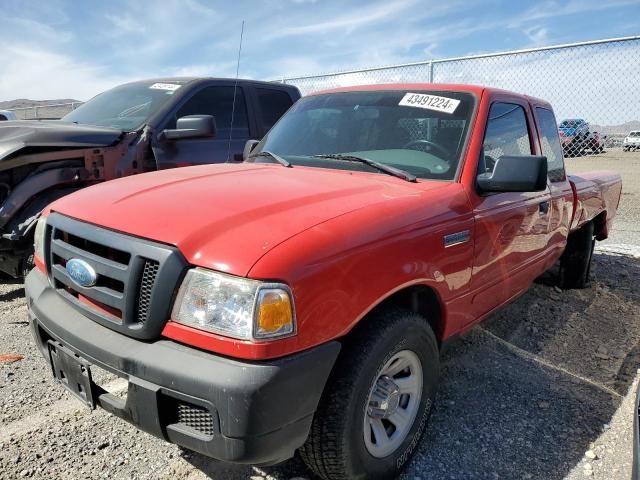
(72, 372)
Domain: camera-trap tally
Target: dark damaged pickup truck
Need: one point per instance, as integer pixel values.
(134, 128)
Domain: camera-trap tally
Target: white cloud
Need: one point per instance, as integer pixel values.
(125, 24)
(347, 22)
(39, 74)
(555, 8)
(537, 35)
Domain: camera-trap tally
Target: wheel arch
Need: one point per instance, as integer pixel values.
(419, 298)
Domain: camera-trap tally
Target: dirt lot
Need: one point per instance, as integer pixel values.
(525, 395)
(627, 225)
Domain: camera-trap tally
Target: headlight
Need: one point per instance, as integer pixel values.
(38, 237)
(233, 306)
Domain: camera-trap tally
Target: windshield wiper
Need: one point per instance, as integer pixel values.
(277, 158)
(396, 172)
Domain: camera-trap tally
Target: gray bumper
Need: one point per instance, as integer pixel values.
(260, 411)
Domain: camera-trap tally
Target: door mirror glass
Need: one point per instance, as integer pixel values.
(192, 126)
(248, 148)
(515, 173)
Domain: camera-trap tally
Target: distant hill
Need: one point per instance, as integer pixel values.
(621, 129)
(27, 108)
(24, 102)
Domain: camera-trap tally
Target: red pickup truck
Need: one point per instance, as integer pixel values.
(299, 300)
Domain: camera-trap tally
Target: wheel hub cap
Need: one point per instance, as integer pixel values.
(393, 403)
(384, 399)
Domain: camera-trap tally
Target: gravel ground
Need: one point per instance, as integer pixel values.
(534, 392)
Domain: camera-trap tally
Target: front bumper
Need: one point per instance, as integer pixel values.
(258, 412)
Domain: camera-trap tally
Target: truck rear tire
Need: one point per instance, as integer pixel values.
(575, 263)
(378, 400)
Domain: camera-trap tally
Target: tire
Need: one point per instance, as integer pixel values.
(575, 263)
(336, 448)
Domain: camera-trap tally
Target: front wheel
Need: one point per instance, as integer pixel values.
(378, 400)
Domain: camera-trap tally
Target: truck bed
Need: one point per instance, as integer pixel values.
(594, 193)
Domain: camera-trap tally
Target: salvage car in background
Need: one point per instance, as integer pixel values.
(574, 134)
(7, 115)
(134, 128)
(595, 142)
(306, 305)
(631, 141)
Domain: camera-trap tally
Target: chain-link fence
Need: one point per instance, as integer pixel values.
(45, 111)
(593, 86)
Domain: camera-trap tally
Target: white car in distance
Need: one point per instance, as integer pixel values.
(7, 115)
(631, 141)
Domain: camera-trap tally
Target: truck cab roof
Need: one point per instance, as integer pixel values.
(477, 90)
(195, 81)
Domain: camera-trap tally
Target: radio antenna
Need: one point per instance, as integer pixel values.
(235, 89)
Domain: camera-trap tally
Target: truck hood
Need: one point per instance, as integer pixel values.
(227, 216)
(19, 134)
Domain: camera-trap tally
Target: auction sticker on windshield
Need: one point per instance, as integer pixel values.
(172, 87)
(430, 102)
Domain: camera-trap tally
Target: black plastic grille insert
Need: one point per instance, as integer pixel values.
(136, 281)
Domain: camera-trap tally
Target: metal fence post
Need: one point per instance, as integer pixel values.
(430, 71)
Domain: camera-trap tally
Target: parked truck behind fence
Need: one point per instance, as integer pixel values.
(299, 300)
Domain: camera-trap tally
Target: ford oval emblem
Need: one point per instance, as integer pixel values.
(81, 272)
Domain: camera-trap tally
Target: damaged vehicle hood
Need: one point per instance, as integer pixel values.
(17, 135)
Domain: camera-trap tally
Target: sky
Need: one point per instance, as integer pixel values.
(75, 49)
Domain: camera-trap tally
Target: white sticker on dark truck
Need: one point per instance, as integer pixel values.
(171, 87)
(430, 102)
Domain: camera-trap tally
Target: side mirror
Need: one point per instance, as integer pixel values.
(248, 148)
(515, 173)
(192, 126)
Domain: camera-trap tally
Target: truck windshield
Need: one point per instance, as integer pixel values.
(127, 107)
(421, 132)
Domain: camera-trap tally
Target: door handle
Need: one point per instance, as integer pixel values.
(543, 207)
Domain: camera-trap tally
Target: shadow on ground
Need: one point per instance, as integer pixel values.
(500, 413)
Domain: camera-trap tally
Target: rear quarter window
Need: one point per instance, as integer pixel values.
(550, 143)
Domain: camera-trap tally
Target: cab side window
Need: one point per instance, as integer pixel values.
(507, 134)
(273, 104)
(219, 102)
(551, 147)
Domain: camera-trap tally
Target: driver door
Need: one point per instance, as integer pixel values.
(511, 227)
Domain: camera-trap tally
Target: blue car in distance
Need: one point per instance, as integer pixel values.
(574, 136)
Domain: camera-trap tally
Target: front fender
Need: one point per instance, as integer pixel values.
(38, 190)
